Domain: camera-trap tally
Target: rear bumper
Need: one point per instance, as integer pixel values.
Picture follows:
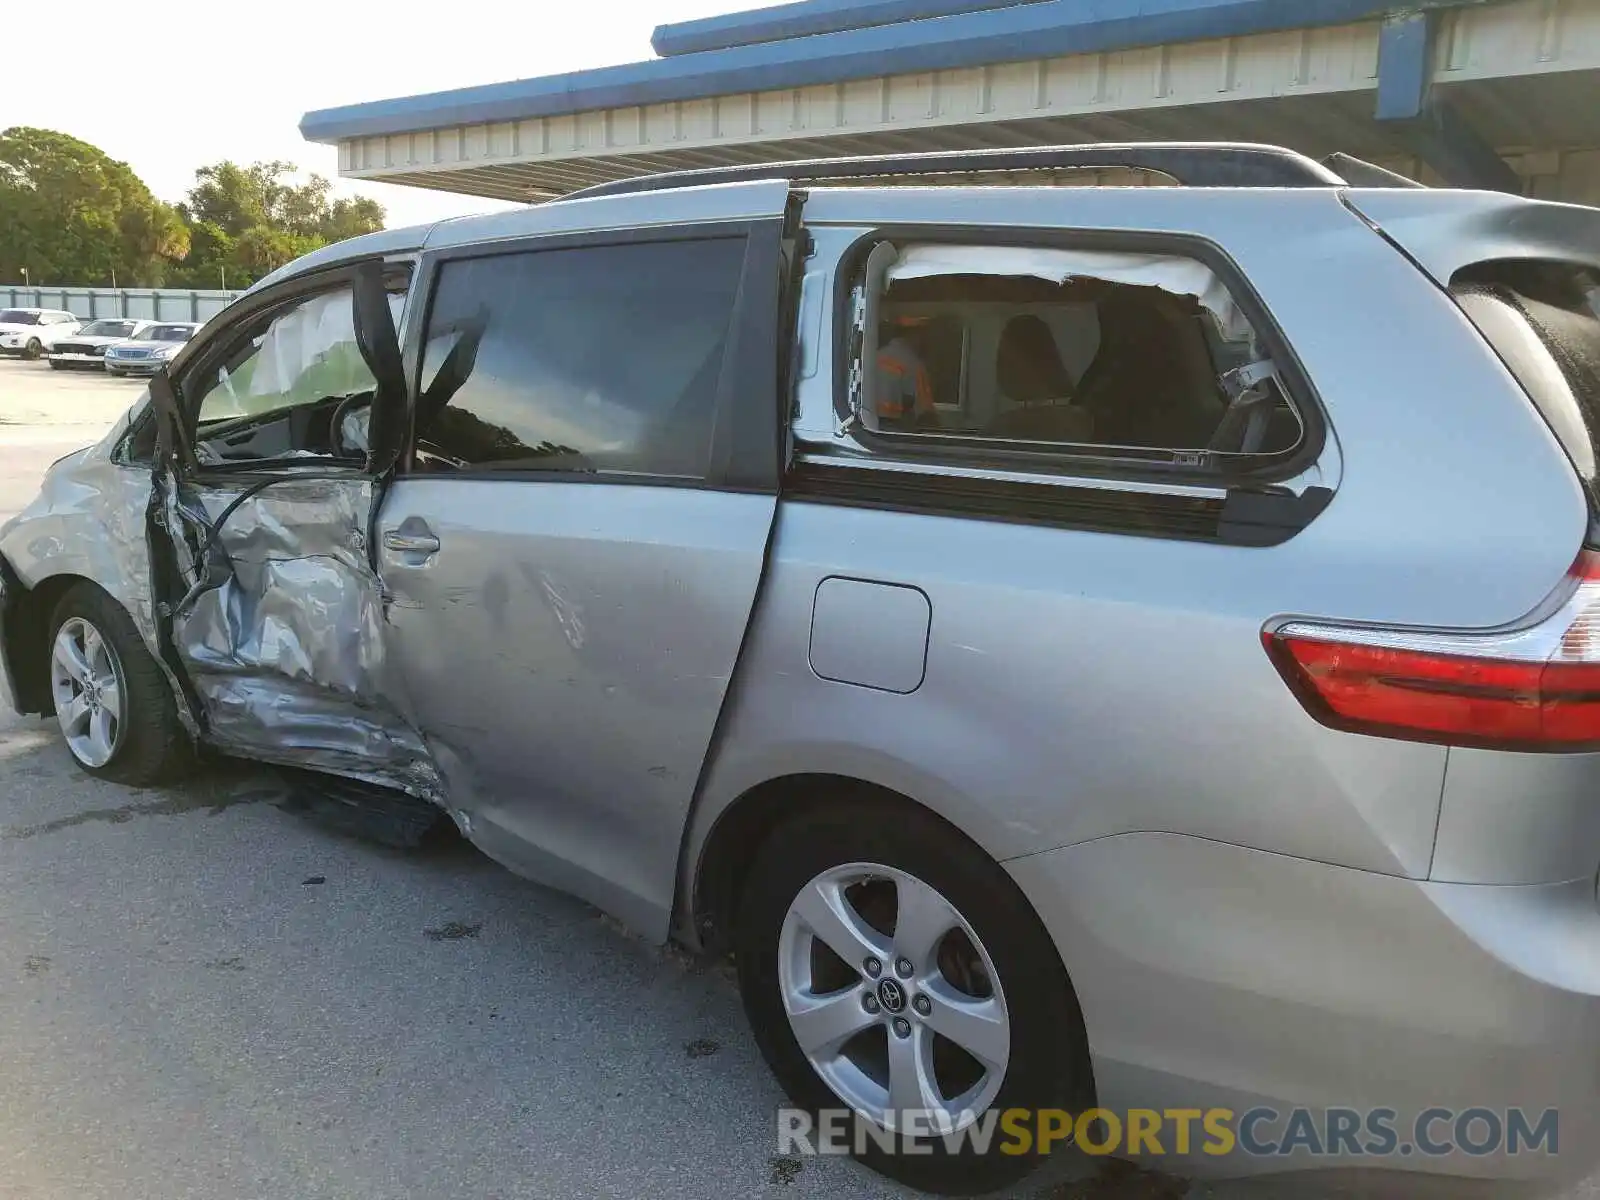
(1213, 976)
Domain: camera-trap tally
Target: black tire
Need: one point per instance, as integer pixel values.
(57, 366)
(33, 349)
(152, 746)
(1048, 1064)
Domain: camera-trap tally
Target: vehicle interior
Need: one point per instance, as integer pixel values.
(1082, 362)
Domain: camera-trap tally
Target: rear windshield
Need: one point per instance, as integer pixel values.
(117, 329)
(1543, 319)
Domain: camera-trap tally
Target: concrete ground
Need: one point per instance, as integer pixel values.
(203, 995)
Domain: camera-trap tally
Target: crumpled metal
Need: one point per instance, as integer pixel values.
(287, 656)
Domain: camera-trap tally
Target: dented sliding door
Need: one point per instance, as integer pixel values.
(576, 547)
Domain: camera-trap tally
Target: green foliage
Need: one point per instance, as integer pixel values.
(255, 219)
(71, 215)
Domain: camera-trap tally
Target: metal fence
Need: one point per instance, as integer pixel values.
(150, 304)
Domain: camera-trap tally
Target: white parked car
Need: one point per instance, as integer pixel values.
(87, 347)
(29, 332)
(151, 350)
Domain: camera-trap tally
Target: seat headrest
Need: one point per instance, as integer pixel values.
(1028, 364)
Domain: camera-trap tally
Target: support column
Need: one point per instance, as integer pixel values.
(1430, 126)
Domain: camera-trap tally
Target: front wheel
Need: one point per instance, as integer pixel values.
(57, 366)
(111, 699)
(893, 973)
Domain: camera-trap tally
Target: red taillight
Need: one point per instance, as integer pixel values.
(1535, 688)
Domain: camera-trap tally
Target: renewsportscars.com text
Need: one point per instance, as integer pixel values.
(1257, 1132)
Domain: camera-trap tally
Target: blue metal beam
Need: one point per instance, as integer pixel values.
(1018, 33)
(1405, 65)
(1432, 127)
(806, 18)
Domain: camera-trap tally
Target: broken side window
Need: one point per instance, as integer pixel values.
(1543, 319)
(1094, 350)
(292, 385)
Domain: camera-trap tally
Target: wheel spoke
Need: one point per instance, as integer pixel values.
(70, 657)
(76, 718)
(922, 919)
(101, 732)
(94, 651)
(978, 1026)
(111, 696)
(823, 909)
(911, 1078)
(822, 1024)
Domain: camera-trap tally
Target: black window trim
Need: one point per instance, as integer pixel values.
(746, 442)
(956, 452)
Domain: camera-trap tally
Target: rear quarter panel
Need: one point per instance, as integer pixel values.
(1081, 685)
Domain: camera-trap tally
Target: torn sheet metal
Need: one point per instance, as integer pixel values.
(1170, 273)
(286, 656)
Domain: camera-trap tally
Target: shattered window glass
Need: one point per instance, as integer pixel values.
(293, 386)
(306, 354)
(1110, 351)
(1543, 319)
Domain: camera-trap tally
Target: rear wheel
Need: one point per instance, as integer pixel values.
(111, 699)
(33, 349)
(893, 972)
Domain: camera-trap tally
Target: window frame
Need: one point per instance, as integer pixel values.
(747, 433)
(209, 345)
(1034, 458)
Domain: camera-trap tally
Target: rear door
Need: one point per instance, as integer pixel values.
(575, 542)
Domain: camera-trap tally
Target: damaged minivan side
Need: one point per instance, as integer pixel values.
(1003, 617)
(244, 612)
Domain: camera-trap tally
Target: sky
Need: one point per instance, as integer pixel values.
(180, 88)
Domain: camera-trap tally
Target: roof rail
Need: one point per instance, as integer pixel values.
(1191, 164)
(1359, 173)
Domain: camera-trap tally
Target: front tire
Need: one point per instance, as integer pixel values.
(111, 699)
(886, 965)
(57, 366)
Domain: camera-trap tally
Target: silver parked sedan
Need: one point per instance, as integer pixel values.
(1131, 650)
(87, 347)
(151, 350)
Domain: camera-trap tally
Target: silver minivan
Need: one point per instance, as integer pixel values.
(1113, 651)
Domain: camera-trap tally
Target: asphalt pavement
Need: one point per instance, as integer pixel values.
(205, 995)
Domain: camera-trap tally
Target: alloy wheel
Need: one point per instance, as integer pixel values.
(86, 684)
(892, 997)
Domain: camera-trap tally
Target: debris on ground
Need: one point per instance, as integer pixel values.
(452, 931)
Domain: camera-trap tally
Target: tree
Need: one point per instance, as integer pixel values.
(75, 215)
(248, 220)
(70, 214)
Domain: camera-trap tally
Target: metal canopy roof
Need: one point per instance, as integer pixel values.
(968, 39)
(1441, 84)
